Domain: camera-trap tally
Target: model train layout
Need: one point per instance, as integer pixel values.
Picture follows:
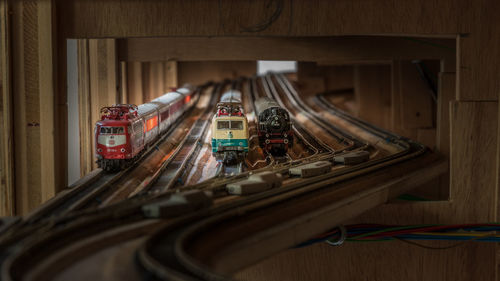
(125, 130)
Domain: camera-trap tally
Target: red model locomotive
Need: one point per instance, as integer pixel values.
(125, 130)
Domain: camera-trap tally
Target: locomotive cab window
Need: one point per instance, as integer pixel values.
(112, 130)
(237, 125)
(221, 125)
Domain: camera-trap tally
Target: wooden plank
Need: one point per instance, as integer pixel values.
(170, 71)
(416, 99)
(134, 82)
(198, 73)
(7, 192)
(156, 81)
(103, 79)
(396, 103)
(34, 105)
(329, 49)
(339, 77)
(84, 19)
(478, 52)
(427, 137)
(146, 82)
(84, 106)
(123, 83)
(446, 94)
(311, 85)
(372, 90)
(47, 94)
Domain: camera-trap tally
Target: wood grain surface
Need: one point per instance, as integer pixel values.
(473, 147)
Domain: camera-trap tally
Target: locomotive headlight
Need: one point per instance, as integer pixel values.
(267, 135)
(99, 150)
(268, 141)
(285, 141)
(285, 135)
(122, 150)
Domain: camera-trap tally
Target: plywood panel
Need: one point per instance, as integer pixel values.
(479, 52)
(84, 106)
(34, 101)
(372, 90)
(134, 83)
(416, 99)
(300, 17)
(7, 199)
(471, 148)
(170, 71)
(198, 73)
(102, 80)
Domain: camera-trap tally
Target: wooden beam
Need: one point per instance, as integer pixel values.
(90, 19)
(7, 198)
(102, 80)
(416, 99)
(372, 90)
(123, 83)
(134, 83)
(200, 72)
(84, 106)
(47, 68)
(478, 53)
(329, 49)
(34, 73)
(170, 71)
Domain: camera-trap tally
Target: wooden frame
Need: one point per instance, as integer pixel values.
(474, 111)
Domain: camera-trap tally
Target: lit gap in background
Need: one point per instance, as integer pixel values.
(264, 66)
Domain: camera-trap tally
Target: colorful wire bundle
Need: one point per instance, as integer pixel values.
(378, 232)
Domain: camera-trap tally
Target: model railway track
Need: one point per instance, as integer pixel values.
(187, 150)
(193, 245)
(312, 143)
(286, 89)
(376, 131)
(228, 170)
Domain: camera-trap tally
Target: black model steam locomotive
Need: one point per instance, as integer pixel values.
(274, 126)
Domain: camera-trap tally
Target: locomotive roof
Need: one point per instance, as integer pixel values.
(231, 96)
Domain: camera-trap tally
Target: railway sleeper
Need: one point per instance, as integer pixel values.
(352, 158)
(311, 169)
(178, 204)
(255, 183)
